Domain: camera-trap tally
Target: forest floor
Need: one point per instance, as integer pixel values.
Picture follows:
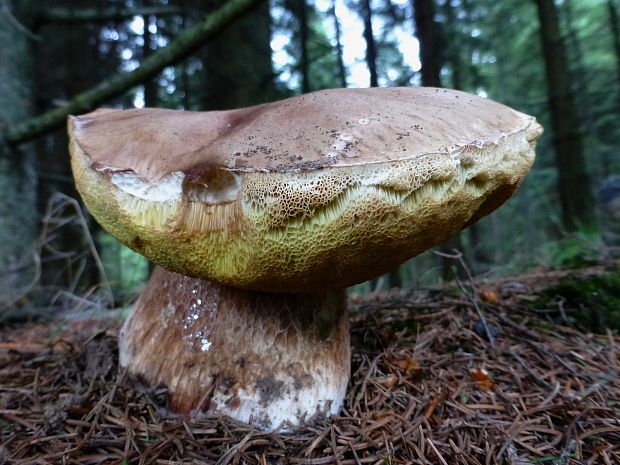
(432, 383)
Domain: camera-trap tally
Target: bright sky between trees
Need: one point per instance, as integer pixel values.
(353, 43)
(352, 39)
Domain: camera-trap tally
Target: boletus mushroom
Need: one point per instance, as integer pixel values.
(261, 217)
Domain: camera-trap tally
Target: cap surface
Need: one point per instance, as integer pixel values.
(330, 188)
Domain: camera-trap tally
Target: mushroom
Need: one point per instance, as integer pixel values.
(261, 217)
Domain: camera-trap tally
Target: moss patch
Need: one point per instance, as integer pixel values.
(591, 301)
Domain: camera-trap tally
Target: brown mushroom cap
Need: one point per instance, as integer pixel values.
(329, 188)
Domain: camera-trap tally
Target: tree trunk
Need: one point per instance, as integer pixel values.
(573, 182)
(302, 11)
(237, 62)
(578, 68)
(67, 62)
(18, 209)
(186, 82)
(301, 36)
(342, 72)
(453, 49)
(187, 89)
(395, 279)
(371, 48)
(615, 33)
(151, 85)
(614, 25)
(428, 35)
(470, 19)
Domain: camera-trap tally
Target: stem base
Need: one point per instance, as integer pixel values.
(261, 358)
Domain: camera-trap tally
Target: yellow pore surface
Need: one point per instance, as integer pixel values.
(307, 231)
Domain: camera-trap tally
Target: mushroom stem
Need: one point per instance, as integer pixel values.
(262, 358)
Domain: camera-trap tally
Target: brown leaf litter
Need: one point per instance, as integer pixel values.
(427, 387)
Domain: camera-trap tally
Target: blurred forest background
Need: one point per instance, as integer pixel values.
(558, 60)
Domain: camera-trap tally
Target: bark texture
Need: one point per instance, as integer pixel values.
(68, 61)
(615, 33)
(342, 72)
(371, 47)
(428, 35)
(304, 35)
(237, 62)
(454, 48)
(573, 183)
(18, 212)
(151, 86)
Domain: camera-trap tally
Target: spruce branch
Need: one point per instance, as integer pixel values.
(88, 100)
(94, 15)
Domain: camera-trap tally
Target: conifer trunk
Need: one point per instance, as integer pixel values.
(237, 62)
(615, 34)
(371, 48)
(18, 208)
(304, 35)
(342, 72)
(573, 182)
(428, 35)
(150, 86)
